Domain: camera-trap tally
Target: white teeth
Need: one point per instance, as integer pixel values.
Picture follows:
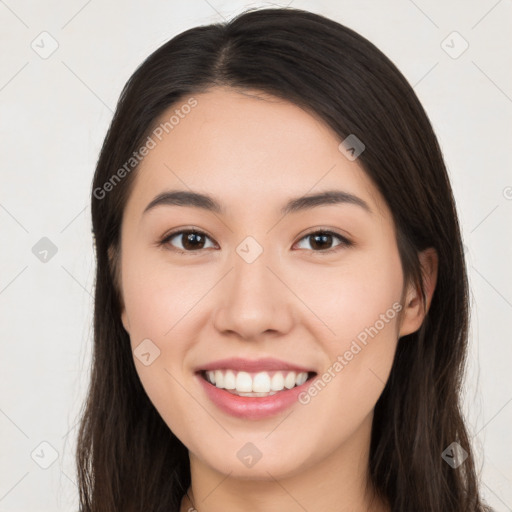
(301, 378)
(289, 381)
(277, 383)
(259, 384)
(219, 379)
(229, 380)
(254, 394)
(243, 382)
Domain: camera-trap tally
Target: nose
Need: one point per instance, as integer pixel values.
(253, 299)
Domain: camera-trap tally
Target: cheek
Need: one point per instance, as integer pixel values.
(162, 305)
(158, 305)
(345, 393)
(157, 297)
(360, 304)
(350, 297)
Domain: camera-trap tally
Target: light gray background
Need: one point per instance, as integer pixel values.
(54, 113)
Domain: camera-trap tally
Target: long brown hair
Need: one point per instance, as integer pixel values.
(127, 457)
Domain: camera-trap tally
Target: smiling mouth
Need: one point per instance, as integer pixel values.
(255, 384)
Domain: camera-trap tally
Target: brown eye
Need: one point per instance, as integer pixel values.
(188, 240)
(321, 241)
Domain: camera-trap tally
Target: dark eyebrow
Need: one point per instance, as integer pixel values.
(185, 198)
(323, 199)
(206, 202)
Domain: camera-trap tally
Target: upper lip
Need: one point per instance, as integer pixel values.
(253, 365)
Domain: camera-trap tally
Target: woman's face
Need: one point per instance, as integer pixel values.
(260, 281)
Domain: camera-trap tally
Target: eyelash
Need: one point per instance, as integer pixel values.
(344, 242)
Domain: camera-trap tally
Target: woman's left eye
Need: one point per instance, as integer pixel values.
(196, 240)
(322, 238)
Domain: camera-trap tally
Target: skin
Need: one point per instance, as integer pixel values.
(253, 152)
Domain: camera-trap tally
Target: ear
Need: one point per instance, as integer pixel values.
(114, 271)
(124, 319)
(414, 310)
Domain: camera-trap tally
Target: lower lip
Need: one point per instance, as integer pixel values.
(252, 407)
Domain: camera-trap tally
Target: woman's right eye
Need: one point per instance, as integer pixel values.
(193, 241)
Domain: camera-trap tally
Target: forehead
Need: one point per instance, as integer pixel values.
(249, 147)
